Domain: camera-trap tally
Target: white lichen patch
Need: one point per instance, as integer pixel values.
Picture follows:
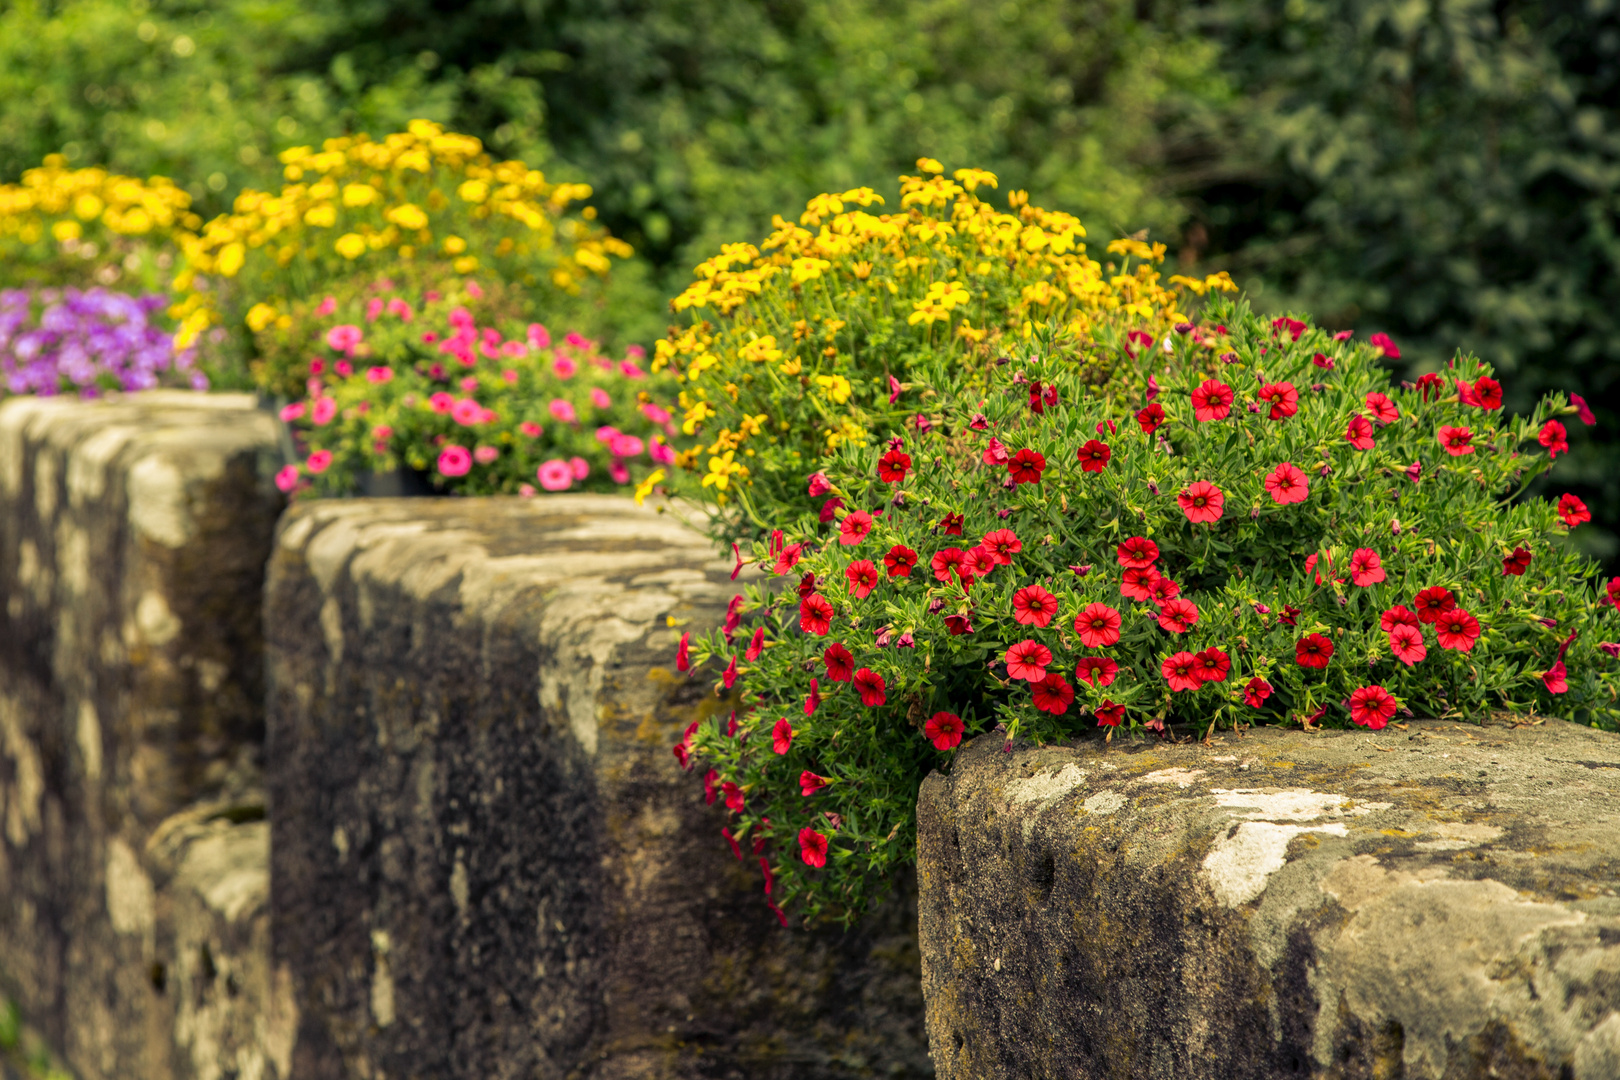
(1182, 778)
(1242, 860)
(1290, 804)
(157, 502)
(130, 902)
(1045, 787)
(1458, 835)
(1104, 802)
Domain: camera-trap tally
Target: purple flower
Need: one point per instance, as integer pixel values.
(56, 341)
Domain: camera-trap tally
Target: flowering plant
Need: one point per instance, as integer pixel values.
(813, 339)
(67, 341)
(357, 204)
(432, 383)
(1290, 538)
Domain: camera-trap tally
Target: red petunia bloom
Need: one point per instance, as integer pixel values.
(900, 561)
(756, 646)
(946, 561)
(854, 527)
(1399, 615)
(1255, 692)
(1456, 629)
(1027, 660)
(1138, 583)
(1365, 567)
(1323, 361)
(1212, 665)
(1456, 440)
(1614, 592)
(733, 795)
(782, 736)
(1383, 409)
(1372, 707)
(1313, 651)
(1583, 410)
(1384, 345)
(1109, 714)
(1096, 670)
(1163, 589)
(958, 625)
(812, 847)
(1212, 400)
(683, 653)
(1181, 671)
(788, 558)
(1283, 399)
(952, 524)
(1406, 642)
(871, 687)
(1289, 615)
(1516, 563)
(815, 614)
(1004, 543)
(863, 578)
(1433, 602)
(1052, 694)
(1430, 384)
(995, 453)
(1025, 466)
(1555, 438)
(981, 562)
(729, 676)
(1094, 456)
(1178, 616)
(1033, 606)
(829, 509)
(1465, 393)
(1359, 433)
(683, 749)
(1138, 552)
(1151, 418)
(1202, 501)
(1287, 484)
(1098, 626)
(892, 466)
(1573, 510)
(1487, 393)
(1292, 327)
(812, 701)
(840, 662)
(1556, 678)
(945, 729)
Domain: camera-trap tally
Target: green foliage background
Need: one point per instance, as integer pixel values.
(1447, 171)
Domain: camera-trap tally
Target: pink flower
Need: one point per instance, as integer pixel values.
(661, 452)
(374, 308)
(555, 475)
(564, 368)
(396, 306)
(654, 413)
(287, 478)
(325, 409)
(454, 460)
(539, 336)
(618, 472)
(467, 412)
(441, 402)
(379, 374)
(626, 446)
(563, 411)
(531, 429)
(486, 455)
(580, 467)
(526, 491)
(600, 399)
(344, 338)
(1556, 678)
(319, 461)
(292, 412)
(326, 308)
(1383, 409)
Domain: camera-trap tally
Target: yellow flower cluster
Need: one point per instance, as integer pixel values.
(819, 327)
(419, 194)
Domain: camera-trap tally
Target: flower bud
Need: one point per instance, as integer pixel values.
(1184, 327)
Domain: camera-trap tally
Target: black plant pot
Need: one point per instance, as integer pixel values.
(400, 483)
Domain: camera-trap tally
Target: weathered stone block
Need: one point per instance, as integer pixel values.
(133, 900)
(486, 861)
(1434, 902)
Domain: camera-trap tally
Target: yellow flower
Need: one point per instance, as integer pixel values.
(454, 245)
(259, 316)
(408, 216)
(929, 165)
(88, 207)
(359, 195)
(835, 387)
(473, 191)
(66, 230)
(807, 269)
(722, 469)
(230, 260)
(645, 488)
(350, 245)
(762, 351)
(695, 416)
(466, 264)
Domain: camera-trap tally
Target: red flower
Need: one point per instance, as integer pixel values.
(1283, 398)
(871, 687)
(1025, 467)
(1033, 606)
(787, 558)
(945, 561)
(1555, 438)
(1212, 665)
(1294, 328)
(1383, 409)
(815, 614)
(733, 796)
(893, 465)
(756, 646)
(952, 524)
(981, 561)
(900, 561)
(1465, 393)
(854, 527)
(1255, 692)
(1433, 602)
(1004, 543)
(1178, 616)
(1399, 615)
(1359, 433)
(819, 484)
(1202, 502)
(995, 453)
(1614, 592)
(840, 662)
(1138, 552)
(1365, 567)
(813, 701)
(1516, 563)
(1212, 400)
(1052, 694)
(1573, 510)
(863, 578)
(1456, 629)
(1487, 393)
(1137, 340)
(1096, 670)
(1430, 384)
(1556, 678)
(1456, 440)
(958, 625)
(683, 749)
(1287, 484)
(1582, 409)
(1323, 361)
(1383, 344)
(782, 736)
(729, 676)
(945, 728)
(1313, 651)
(1163, 589)
(1289, 615)
(1406, 642)
(1094, 456)
(1098, 626)
(683, 653)
(1372, 707)
(1151, 418)
(711, 790)
(1109, 714)
(812, 847)
(829, 509)
(1027, 660)
(1181, 671)
(1138, 583)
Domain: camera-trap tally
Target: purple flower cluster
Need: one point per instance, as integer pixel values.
(63, 340)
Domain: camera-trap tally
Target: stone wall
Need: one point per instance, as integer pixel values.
(1434, 901)
(486, 861)
(133, 886)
